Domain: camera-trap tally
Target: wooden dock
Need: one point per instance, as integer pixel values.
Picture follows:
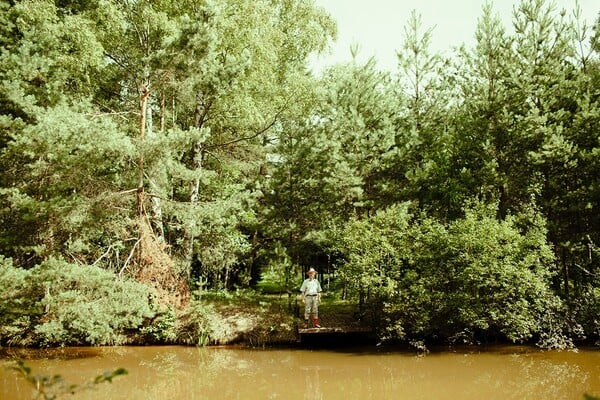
(322, 330)
(335, 336)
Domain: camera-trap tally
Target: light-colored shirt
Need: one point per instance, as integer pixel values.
(310, 287)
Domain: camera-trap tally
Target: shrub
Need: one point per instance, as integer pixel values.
(200, 324)
(497, 277)
(16, 304)
(587, 310)
(161, 329)
(58, 303)
(87, 305)
(471, 279)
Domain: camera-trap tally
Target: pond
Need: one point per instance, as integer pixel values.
(176, 372)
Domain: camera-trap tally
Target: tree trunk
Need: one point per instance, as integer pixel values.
(140, 169)
(140, 163)
(194, 188)
(565, 270)
(154, 177)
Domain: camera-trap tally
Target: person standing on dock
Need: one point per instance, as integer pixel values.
(311, 297)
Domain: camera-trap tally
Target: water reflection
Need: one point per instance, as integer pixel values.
(313, 384)
(229, 373)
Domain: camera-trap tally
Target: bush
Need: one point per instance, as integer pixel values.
(471, 279)
(16, 304)
(162, 328)
(587, 309)
(497, 276)
(200, 324)
(58, 303)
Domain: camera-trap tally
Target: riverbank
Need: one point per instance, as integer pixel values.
(267, 320)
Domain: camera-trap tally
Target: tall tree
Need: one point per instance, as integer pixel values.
(567, 161)
(56, 171)
(328, 162)
(414, 164)
(250, 82)
(482, 120)
(194, 87)
(529, 114)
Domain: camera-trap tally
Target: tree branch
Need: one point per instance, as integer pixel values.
(256, 134)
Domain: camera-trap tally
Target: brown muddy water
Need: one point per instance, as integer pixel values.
(174, 372)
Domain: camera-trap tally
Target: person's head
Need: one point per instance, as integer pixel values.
(311, 273)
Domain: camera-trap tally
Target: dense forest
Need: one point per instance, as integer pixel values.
(155, 150)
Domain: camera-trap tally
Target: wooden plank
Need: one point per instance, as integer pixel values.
(304, 331)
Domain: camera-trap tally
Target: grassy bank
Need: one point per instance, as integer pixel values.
(62, 304)
(256, 319)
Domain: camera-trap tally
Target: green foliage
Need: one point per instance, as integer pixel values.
(86, 304)
(162, 328)
(500, 277)
(57, 303)
(200, 324)
(51, 387)
(278, 276)
(527, 112)
(62, 170)
(474, 278)
(327, 163)
(49, 58)
(372, 258)
(60, 156)
(246, 164)
(227, 70)
(16, 306)
(587, 309)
